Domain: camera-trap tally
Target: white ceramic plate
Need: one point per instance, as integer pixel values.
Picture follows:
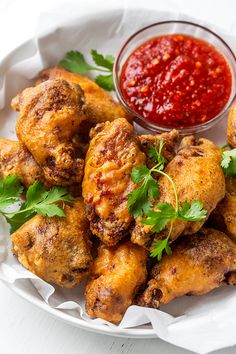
(95, 30)
(27, 291)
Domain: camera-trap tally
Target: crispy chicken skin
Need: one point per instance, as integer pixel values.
(224, 216)
(168, 151)
(16, 160)
(197, 175)
(113, 152)
(231, 126)
(50, 115)
(56, 249)
(100, 107)
(117, 273)
(199, 263)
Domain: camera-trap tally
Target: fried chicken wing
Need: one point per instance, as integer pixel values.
(197, 175)
(113, 152)
(168, 151)
(50, 115)
(231, 126)
(117, 274)
(100, 107)
(56, 249)
(224, 216)
(16, 160)
(199, 263)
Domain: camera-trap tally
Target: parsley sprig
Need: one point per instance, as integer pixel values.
(138, 202)
(228, 162)
(38, 201)
(74, 61)
(141, 202)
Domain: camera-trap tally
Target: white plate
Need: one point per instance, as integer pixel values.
(27, 291)
(95, 31)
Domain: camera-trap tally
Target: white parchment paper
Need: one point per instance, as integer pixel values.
(201, 324)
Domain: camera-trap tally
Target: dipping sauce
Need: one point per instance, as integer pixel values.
(176, 81)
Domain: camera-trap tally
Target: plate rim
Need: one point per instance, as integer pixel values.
(60, 314)
(143, 333)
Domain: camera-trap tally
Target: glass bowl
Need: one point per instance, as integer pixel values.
(174, 27)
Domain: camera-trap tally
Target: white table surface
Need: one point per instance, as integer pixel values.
(24, 328)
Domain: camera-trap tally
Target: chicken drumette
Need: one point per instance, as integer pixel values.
(224, 216)
(50, 115)
(197, 175)
(117, 274)
(113, 152)
(199, 263)
(56, 249)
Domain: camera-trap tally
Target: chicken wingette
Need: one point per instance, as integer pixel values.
(199, 263)
(99, 107)
(57, 249)
(50, 115)
(197, 175)
(117, 274)
(114, 151)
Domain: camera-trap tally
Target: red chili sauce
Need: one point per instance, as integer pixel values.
(176, 81)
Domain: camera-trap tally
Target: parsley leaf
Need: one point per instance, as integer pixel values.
(106, 82)
(139, 173)
(100, 60)
(159, 247)
(160, 218)
(187, 211)
(191, 211)
(38, 201)
(46, 206)
(74, 61)
(138, 199)
(34, 195)
(225, 162)
(228, 163)
(41, 201)
(10, 190)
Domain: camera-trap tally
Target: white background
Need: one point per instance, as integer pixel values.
(25, 329)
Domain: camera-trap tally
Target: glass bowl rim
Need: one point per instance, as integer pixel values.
(155, 127)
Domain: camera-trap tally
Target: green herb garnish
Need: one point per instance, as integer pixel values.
(74, 61)
(141, 202)
(38, 201)
(10, 190)
(228, 163)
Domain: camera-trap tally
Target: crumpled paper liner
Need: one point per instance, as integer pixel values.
(201, 324)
